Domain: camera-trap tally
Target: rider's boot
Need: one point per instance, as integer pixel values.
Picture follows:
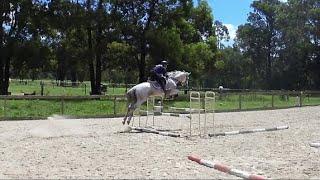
(164, 90)
(165, 93)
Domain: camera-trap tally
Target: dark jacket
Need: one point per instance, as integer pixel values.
(160, 70)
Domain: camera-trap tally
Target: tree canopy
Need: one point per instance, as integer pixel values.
(119, 41)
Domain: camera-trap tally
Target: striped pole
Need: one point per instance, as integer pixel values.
(186, 109)
(225, 169)
(209, 101)
(175, 114)
(157, 103)
(249, 131)
(195, 98)
(315, 144)
(146, 130)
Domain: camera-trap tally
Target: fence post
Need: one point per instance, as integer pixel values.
(5, 109)
(240, 99)
(114, 106)
(85, 89)
(272, 100)
(41, 84)
(300, 98)
(62, 105)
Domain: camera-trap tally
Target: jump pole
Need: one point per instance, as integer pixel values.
(153, 131)
(187, 110)
(156, 108)
(147, 111)
(226, 169)
(176, 115)
(195, 96)
(249, 131)
(209, 100)
(315, 144)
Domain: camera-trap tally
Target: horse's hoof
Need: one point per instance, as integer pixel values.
(128, 122)
(123, 122)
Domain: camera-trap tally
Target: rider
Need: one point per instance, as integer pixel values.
(159, 74)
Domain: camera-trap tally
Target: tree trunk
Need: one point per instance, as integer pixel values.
(1, 75)
(98, 67)
(73, 74)
(142, 62)
(268, 71)
(4, 70)
(2, 92)
(143, 45)
(98, 48)
(5, 67)
(91, 67)
(270, 44)
(6, 75)
(90, 52)
(61, 71)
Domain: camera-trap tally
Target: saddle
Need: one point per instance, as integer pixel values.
(155, 84)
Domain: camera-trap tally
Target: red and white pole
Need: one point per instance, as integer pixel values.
(226, 169)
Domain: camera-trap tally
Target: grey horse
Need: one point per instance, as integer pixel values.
(141, 92)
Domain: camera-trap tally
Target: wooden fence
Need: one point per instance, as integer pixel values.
(293, 99)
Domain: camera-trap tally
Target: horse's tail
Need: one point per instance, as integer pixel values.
(131, 95)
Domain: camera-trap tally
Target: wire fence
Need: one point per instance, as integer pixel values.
(63, 88)
(39, 107)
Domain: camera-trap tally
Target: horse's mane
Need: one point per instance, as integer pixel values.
(174, 72)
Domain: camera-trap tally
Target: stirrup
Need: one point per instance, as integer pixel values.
(165, 93)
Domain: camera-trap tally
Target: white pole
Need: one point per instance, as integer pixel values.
(147, 112)
(195, 96)
(209, 108)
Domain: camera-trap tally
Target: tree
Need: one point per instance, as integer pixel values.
(166, 44)
(221, 33)
(300, 44)
(19, 25)
(259, 38)
(118, 60)
(202, 19)
(99, 27)
(68, 38)
(141, 19)
(233, 69)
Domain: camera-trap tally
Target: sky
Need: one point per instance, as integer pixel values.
(231, 13)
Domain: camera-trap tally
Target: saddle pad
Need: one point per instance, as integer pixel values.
(155, 85)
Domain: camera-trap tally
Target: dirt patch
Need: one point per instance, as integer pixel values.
(92, 148)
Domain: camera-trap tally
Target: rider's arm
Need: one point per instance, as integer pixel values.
(165, 72)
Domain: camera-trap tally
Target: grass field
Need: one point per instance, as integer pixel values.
(35, 109)
(50, 88)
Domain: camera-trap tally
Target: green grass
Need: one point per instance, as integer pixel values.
(43, 108)
(21, 109)
(51, 89)
(311, 100)
(30, 108)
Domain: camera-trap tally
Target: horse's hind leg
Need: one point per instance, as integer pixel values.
(133, 107)
(132, 99)
(128, 113)
(125, 118)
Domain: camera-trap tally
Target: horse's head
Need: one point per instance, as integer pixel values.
(181, 77)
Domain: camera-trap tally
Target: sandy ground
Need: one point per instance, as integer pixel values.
(92, 148)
